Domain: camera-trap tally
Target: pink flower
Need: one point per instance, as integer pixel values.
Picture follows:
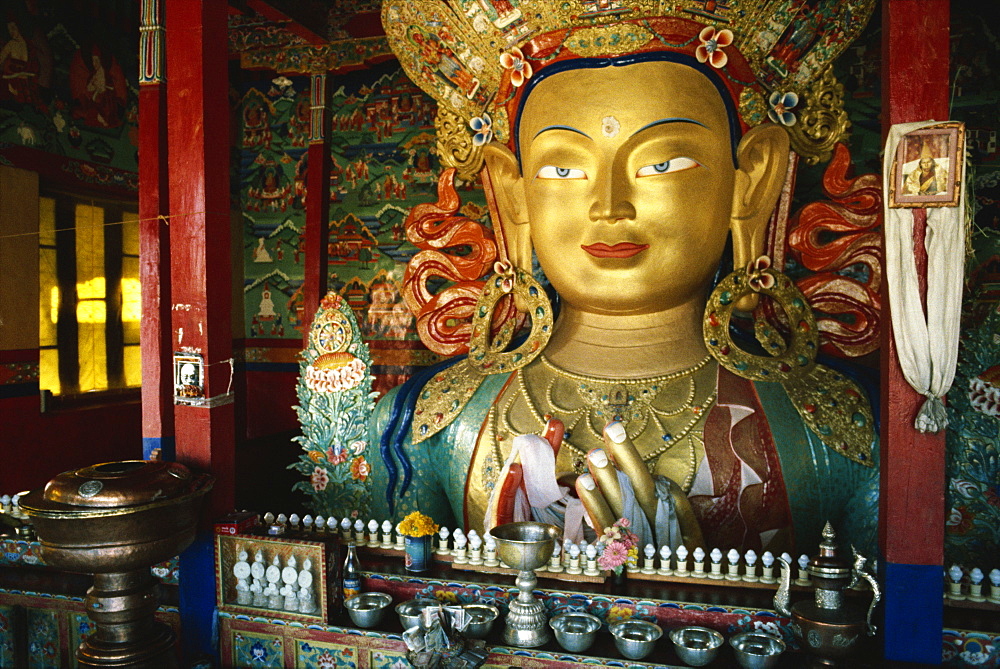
(319, 479)
(758, 276)
(336, 455)
(520, 68)
(613, 556)
(712, 43)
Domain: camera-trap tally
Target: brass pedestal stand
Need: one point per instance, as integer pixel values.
(115, 521)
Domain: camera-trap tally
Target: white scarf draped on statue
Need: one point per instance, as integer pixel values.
(926, 343)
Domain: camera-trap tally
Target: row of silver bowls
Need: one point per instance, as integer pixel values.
(695, 646)
(575, 631)
(368, 609)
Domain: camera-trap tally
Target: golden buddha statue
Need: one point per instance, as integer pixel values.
(627, 153)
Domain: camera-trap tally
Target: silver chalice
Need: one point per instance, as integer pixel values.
(525, 546)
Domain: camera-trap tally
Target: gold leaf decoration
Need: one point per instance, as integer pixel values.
(822, 121)
(454, 145)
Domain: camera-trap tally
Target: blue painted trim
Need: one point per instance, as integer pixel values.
(196, 588)
(167, 446)
(914, 613)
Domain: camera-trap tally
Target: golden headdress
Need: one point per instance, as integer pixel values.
(476, 57)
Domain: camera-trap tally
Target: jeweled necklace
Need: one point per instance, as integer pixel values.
(661, 410)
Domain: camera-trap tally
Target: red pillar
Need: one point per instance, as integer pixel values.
(200, 255)
(317, 231)
(154, 240)
(915, 43)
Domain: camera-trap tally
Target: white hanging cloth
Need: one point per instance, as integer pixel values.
(927, 345)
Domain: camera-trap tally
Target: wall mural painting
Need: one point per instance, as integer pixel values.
(68, 87)
(383, 163)
(972, 530)
(272, 197)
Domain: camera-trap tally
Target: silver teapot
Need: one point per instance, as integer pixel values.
(829, 627)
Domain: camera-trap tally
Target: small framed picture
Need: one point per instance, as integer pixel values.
(189, 378)
(927, 170)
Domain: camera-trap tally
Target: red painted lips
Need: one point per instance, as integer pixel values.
(620, 250)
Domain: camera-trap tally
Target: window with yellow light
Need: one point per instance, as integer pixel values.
(90, 304)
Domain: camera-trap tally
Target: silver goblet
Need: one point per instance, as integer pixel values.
(525, 546)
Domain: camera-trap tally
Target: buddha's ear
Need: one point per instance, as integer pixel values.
(762, 159)
(508, 192)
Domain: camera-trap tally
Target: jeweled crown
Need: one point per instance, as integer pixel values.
(474, 56)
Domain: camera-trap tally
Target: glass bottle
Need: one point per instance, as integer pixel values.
(351, 576)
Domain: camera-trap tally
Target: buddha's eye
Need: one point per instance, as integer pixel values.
(667, 166)
(553, 172)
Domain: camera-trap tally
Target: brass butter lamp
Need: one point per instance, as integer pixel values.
(115, 520)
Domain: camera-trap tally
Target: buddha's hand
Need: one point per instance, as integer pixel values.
(620, 486)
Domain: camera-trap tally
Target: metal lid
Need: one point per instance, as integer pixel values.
(115, 485)
(828, 564)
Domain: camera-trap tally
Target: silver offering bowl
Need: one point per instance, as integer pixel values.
(575, 631)
(756, 650)
(696, 646)
(635, 639)
(368, 608)
(525, 546)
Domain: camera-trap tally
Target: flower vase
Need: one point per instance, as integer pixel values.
(418, 553)
(618, 580)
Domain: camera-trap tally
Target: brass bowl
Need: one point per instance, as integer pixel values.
(117, 516)
(525, 546)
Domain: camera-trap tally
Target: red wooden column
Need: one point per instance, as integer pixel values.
(317, 231)
(200, 257)
(202, 279)
(154, 239)
(915, 87)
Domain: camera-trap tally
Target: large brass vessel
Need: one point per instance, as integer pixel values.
(115, 520)
(829, 627)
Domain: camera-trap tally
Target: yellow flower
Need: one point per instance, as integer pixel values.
(617, 613)
(446, 596)
(417, 524)
(316, 456)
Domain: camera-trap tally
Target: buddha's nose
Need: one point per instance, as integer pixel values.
(611, 202)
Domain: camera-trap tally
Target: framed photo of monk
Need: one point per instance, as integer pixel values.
(927, 170)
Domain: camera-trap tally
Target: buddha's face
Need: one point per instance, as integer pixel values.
(628, 182)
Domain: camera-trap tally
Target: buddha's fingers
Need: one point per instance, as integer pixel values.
(600, 514)
(606, 476)
(630, 463)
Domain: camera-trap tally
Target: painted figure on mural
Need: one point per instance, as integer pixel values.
(97, 84)
(19, 67)
(634, 207)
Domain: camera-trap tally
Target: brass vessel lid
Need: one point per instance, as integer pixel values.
(113, 485)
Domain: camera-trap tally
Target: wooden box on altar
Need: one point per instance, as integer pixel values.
(322, 574)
